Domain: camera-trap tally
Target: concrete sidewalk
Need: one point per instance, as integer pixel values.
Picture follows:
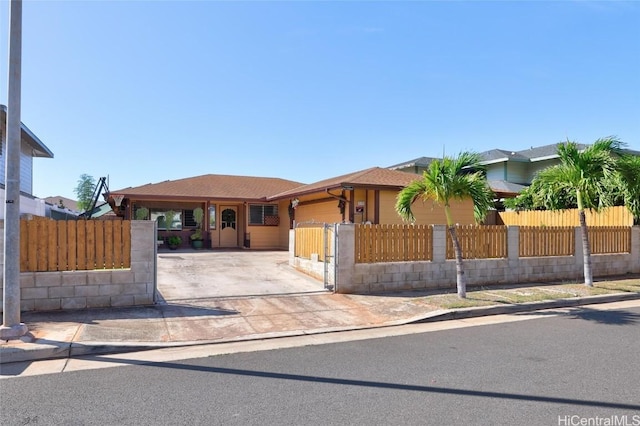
(102, 331)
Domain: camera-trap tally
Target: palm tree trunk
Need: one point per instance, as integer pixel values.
(461, 279)
(586, 250)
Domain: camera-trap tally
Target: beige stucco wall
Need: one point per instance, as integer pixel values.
(272, 237)
(326, 211)
(425, 212)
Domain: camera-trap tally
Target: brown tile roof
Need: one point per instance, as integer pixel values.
(373, 177)
(213, 186)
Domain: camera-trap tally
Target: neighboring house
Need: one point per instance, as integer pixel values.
(61, 208)
(30, 147)
(237, 212)
(508, 172)
(366, 196)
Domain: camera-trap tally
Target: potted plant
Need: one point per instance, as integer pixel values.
(196, 237)
(174, 241)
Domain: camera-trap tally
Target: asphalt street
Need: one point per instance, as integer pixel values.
(556, 369)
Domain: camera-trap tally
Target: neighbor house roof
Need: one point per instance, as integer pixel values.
(504, 187)
(500, 155)
(38, 149)
(545, 152)
(373, 177)
(212, 186)
(417, 162)
(67, 203)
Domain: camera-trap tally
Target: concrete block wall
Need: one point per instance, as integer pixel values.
(46, 291)
(441, 273)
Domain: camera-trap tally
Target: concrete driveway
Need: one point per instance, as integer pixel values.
(191, 275)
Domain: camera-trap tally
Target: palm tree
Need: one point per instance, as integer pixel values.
(446, 180)
(583, 174)
(629, 173)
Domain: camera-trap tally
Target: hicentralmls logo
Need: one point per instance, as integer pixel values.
(576, 420)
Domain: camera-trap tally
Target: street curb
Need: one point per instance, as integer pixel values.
(42, 351)
(480, 311)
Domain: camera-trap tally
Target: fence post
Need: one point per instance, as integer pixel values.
(439, 243)
(635, 250)
(345, 258)
(513, 242)
(513, 253)
(292, 247)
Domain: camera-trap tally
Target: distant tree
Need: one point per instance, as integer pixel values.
(84, 191)
(584, 175)
(444, 181)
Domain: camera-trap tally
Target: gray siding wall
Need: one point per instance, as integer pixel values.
(496, 171)
(26, 165)
(517, 172)
(26, 170)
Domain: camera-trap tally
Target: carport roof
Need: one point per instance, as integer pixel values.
(229, 187)
(375, 177)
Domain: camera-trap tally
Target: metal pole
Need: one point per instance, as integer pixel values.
(11, 327)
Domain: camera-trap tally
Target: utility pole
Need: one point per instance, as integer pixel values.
(11, 327)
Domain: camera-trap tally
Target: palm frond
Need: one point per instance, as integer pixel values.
(406, 198)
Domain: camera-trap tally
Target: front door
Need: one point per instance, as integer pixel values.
(229, 227)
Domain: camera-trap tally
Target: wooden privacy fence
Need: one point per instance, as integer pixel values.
(546, 241)
(612, 239)
(393, 243)
(610, 216)
(399, 243)
(479, 242)
(311, 240)
(60, 245)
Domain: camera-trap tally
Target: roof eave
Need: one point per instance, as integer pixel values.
(39, 149)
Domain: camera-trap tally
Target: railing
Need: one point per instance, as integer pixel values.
(393, 243)
(59, 245)
(546, 241)
(612, 239)
(479, 242)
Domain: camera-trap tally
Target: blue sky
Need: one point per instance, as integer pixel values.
(149, 91)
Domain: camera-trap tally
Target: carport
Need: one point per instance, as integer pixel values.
(192, 275)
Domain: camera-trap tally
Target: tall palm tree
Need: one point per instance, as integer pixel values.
(446, 180)
(583, 174)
